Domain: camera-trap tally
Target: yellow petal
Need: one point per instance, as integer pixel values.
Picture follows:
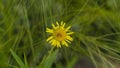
(53, 26)
(70, 33)
(67, 28)
(69, 38)
(58, 44)
(64, 43)
(57, 24)
(67, 41)
(54, 42)
(49, 30)
(51, 41)
(51, 37)
(61, 23)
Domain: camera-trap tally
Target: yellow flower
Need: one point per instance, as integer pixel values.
(59, 35)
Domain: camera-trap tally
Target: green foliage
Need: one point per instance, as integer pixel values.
(18, 60)
(48, 60)
(95, 23)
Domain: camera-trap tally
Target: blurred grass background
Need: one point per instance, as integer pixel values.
(96, 24)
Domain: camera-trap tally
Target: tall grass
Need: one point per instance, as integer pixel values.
(96, 26)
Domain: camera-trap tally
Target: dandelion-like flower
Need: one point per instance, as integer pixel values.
(59, 35)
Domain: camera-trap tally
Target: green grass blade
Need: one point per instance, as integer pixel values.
(18, 60)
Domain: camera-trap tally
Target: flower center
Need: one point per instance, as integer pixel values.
(59, 34)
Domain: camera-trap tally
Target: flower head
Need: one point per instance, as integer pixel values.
(59, 35)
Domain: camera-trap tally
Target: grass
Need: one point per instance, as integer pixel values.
(95, 23)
